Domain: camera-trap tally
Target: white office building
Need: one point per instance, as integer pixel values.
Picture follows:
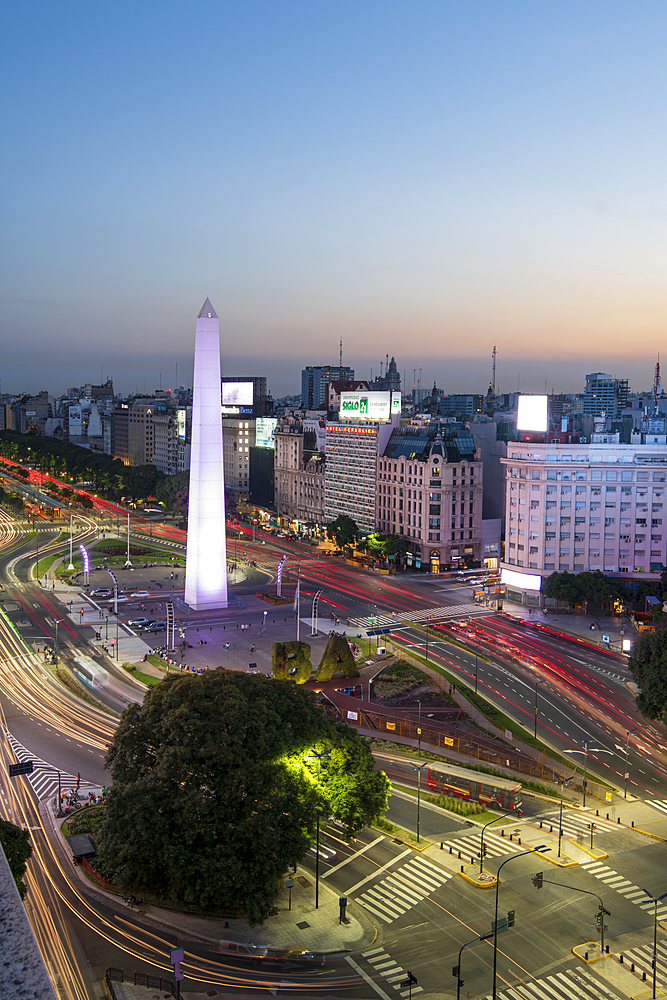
(584, 507)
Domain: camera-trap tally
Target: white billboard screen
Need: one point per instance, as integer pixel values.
(265, 428)
(525, 581)
(532, 415)
(374, 406)
(237, 393)
(181, 424)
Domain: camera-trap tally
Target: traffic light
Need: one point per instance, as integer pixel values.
(455, 970)
(510, 918)
(598, 920)
(537, 880)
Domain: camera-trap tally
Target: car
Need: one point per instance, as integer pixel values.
(121, 598)
(156, 627)
(141, 593)
(101, 592)
(139, 622)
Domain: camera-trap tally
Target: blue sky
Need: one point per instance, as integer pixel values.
(424, 179)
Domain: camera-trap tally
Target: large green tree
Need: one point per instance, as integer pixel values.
(343, 530)
(577, 587)
(18, 849)
(648, 665)
(215, 793)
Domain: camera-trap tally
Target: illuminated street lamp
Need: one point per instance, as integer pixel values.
(655, 900)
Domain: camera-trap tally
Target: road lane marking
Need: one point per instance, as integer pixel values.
(375, 874)
(352, 857)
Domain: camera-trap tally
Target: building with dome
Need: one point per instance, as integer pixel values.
(429, 492)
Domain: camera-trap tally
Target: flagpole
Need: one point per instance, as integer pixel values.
(298, 603)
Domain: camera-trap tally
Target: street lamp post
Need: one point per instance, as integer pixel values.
(475, 673)
(419, 730)
(627, 750)
(57, 621)
(543, 848)
(418, 768)
(537, 682)
(655, 900)
(319, 754)
(562, 782)
(481, 845)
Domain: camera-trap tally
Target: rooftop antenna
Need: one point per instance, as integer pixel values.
(340, 353)
(176, 383)
(656, 386)
(493, 377)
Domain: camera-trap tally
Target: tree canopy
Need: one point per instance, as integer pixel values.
(648, 665)
(343, 530)
(18, 849)
(576, 587)
(215, 778)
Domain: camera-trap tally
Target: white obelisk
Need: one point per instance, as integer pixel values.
(206, 566)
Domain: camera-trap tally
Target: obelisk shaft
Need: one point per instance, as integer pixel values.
(206, 566)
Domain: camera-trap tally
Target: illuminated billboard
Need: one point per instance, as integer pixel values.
(375, 406)
(532, 415)
(237, 393)
(526, 581)
(265, 428)
(181, 425)
(395, 404)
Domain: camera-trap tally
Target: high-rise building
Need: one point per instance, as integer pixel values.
(583, 507)
(429, 491)
(314, 380)
(351, 473)
(299, 472)
(605, 394)
(206, 565)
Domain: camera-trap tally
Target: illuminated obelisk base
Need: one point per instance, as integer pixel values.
(206, 564)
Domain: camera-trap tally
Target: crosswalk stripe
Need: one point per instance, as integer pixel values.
(368, 906)
(373, 951)
(431, 874)
(443, 874)
(44, 778)
(568, 985)
(386, 903)
(659, 804)
(460, 611)
(415, 989)
(421, 880)
(410, 897)
(383, 965)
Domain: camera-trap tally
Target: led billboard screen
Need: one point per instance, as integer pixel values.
(265, 428)
(237, 393)
(526, 581)
(181, 425)
(375, 406)
(532, 415)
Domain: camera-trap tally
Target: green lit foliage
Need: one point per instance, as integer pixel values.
(291, 659)
(214, 777)
(648, 665)
(337, 657)
(18, 849)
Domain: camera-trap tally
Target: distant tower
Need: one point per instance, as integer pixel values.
(206, 566)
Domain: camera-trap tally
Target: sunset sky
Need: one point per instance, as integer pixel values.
(419, 178)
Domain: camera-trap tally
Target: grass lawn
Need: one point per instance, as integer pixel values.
(44, 564)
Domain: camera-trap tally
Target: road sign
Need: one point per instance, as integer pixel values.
(499, 925)
(25, 768)
(379, 631)
(605, 638)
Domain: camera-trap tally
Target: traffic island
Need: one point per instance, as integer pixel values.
(589, 952)
(593, 852)
(645, 994)
(480, 879)
(564, 861)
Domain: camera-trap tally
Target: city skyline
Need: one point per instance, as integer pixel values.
(439, 178)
